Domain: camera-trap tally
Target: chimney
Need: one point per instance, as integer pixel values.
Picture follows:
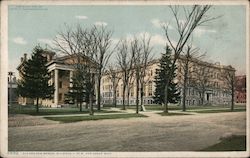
(25, 56)
(21, 59)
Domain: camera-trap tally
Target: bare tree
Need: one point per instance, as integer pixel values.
(146, 58)
(200, 79)
(194, 16)
(185, 63)
(115, 77)
(125, 62)
(130, 86)
(228, 76)
(101, 56)
(136, 49)
(80, 45)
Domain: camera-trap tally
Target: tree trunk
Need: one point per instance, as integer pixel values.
(232, 100)
(123, 98)
(184, 95)
(141, 97)
(137, 95)
(184, 87)
(77, 104)
(128, 97)
(202, 99)
(99, 93)
(80, 106)
(87, 105)
(166, 99)
(91, 109)
(37, 107)
(114, 97)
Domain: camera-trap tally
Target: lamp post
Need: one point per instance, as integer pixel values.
(10, 74)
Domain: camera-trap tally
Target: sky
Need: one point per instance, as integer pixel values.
(223, 39)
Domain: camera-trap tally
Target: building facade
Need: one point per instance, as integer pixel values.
(240, 89)
(61, 70)
(215, 92)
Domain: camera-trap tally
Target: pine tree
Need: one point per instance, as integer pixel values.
(161, 79)
(35, 78)
(78, 93)
(82, 90)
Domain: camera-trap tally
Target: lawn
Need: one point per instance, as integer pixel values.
(233, 143)
(31, 110)
(157, 107)
(172, 114)
(220, 110)
(193, 108)
(69, 119)
(153, 107)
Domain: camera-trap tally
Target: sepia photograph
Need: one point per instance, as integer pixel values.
(124, 79)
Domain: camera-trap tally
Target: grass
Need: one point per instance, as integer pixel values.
(202, 109)
(220, 110)
(172, 114)
(157, 107)
(31, 110)
(233, 143)
(93, 117)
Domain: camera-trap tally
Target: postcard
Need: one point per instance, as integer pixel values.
(124, 78)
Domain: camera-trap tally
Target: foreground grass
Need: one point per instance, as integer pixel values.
(234, 143)
(69, 119)
(172, 114)
(31, 110)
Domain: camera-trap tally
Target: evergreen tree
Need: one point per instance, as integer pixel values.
(35, 78)
(81, 87)
(77, 93)
(161, 80)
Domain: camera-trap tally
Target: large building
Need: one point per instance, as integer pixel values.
(215, 92)
(61, 70)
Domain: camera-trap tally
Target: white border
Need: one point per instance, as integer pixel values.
(4, 70)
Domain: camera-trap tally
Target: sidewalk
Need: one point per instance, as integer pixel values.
(119, 111)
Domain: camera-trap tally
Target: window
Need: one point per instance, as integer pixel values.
(60, 84)
(132, 91)
(144, 90)
(150, 92)
(192, 91)
(117, 93)
(60, 96)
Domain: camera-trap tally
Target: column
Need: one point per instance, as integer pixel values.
(56, 87)
(70, 78)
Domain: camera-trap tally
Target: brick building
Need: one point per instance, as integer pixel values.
(216, 91)
(240, 89)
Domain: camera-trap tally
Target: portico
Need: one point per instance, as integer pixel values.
(61, 76)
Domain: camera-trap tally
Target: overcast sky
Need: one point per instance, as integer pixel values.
(223, 39)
